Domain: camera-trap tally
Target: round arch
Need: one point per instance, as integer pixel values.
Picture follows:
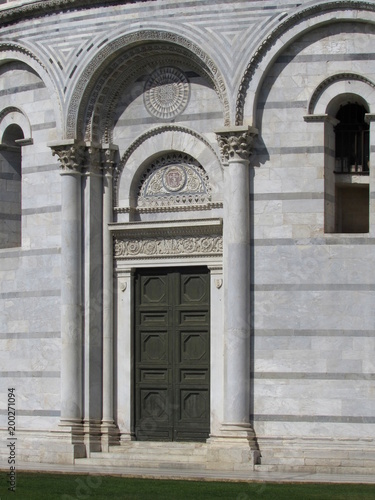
(304, 20)
(330, 94)
(12, 116)
(11, 52)
(155, 142)
(93, 82)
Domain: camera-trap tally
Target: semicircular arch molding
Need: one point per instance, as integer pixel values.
(93, 81)
(100, 114)
(11, 52)
(305, 20)
(156, 142)
(330, 94)
(14, 116)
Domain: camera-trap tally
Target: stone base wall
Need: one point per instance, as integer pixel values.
(327, 456)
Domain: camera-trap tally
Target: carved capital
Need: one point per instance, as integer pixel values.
(108, 158)
(93, 159)
(70, 154)
(236, 143)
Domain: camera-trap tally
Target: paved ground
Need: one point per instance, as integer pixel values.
(165, 473)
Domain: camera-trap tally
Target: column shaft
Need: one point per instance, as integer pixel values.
(237, 285)
(107, 302)
(71, 300)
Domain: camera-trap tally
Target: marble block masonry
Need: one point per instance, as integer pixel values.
(187, 233)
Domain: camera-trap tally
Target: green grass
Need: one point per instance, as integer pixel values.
(34, 486)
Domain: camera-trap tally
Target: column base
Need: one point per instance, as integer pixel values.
(70, 436)
(110, 435)
(235, 447)
(92, 436)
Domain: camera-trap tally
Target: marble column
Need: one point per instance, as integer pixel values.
(92, 184)
(235, 146)
(71, 158)
(109, 430)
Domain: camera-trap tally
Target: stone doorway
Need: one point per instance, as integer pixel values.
(172, 354)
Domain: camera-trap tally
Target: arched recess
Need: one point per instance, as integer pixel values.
(348, 187)
(11, 52)
(14, 116)
(301, 22)
(98, 86)
(15, 131)
(329, 95)
(155, 142)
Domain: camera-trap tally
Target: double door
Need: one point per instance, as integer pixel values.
(172, 354)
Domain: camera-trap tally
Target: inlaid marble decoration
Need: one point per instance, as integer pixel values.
(166, 92)
(174, 179)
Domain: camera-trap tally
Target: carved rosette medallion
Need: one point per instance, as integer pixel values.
(166, 93)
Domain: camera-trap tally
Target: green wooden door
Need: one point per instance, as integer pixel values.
(172, 354)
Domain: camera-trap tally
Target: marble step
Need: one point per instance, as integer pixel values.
(151, 454)
(316, 469)
(140, 463)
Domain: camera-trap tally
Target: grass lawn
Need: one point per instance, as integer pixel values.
(34, 486)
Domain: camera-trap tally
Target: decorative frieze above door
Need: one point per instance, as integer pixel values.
(193, 239)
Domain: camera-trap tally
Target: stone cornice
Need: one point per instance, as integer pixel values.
(171, 228)
(236, 143)
(12, 13)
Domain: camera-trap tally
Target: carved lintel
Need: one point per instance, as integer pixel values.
(70, 154)
(188, 246)
(236, 143)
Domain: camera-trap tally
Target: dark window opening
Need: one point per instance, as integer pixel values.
(10, 187)
(352, 141)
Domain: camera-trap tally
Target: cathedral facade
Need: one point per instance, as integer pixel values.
(187, 233)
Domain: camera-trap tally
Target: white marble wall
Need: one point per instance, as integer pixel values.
(311, 292)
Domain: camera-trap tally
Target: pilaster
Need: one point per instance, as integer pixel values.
(108, 428)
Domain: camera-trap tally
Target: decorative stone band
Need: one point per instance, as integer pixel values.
(163, 247)
(236, 142)
(75, 156)
(193, 238)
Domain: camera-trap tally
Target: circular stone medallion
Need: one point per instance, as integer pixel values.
(166, 92)
(174, 178)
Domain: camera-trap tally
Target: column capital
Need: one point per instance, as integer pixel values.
(101, 158)
(108, 159)
(236, 143)
(71, 155)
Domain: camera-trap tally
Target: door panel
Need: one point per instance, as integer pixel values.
(172, 354)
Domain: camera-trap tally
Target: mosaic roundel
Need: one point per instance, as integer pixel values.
(174, 178)
(166, 92)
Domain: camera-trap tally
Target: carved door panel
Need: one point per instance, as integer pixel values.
(172, 355)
